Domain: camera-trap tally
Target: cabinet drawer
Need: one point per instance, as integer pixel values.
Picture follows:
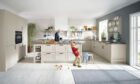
(60, 48)
(47, 57)
(48, 48)
(61, 56)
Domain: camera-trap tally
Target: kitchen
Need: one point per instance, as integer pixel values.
(83, 32)
(106, 33)
(79, 30)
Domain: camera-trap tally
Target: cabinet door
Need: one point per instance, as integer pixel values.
(79, 47)
(48, 57)
(70, 57)
(87, 46)
(118, 53)
(61, 56)
(68, 48)
(48, 48)
(97, 48)
(106, 51)
(43, 57)
(94, 46)
(60, 48)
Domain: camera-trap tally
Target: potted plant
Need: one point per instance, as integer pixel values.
(31, 34)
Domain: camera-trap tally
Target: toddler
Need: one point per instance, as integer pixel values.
(76, 53)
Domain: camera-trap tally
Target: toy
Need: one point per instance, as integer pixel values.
(58, 67)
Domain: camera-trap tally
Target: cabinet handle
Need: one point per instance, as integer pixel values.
(48, 53)
(60, 53)
(102, 47)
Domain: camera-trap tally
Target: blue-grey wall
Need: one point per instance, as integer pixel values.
(124, 14)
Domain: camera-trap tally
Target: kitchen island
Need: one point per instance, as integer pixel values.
(58, 52)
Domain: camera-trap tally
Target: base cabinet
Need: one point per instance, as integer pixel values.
(47, 57)
(22, 52)
(61, 57)
(58, 53)
(113, 53)
(70, 57)
(47, 48)
(118, 53)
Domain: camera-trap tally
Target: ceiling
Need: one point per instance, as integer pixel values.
(40, 9)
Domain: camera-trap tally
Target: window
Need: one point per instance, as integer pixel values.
(135, 39)
(139, 21)
(103, 32)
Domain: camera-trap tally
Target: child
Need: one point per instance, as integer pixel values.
(76, 53)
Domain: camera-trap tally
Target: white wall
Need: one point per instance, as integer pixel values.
(12, 23)
(43, 23)
(61, 23)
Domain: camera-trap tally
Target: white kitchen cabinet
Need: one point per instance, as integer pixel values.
(97, 48)
(80, 48)
(87, 46)
(118, 53)
(69, 48)
(48, 53)
(70, 57)
(61, 57)
(58, 53)
(22, 52)
(48, 48)
(114, 53)
(48, 57)
(60, 48)
(105, 50)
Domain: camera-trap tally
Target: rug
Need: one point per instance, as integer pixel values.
(104, 77)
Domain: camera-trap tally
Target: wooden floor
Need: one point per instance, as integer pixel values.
(47, 73)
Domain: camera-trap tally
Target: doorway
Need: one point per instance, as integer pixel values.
(135, 39)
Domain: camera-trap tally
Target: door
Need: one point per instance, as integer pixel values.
(138, 40)
(135, 39)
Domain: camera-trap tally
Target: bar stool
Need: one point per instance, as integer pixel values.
(88, 56)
